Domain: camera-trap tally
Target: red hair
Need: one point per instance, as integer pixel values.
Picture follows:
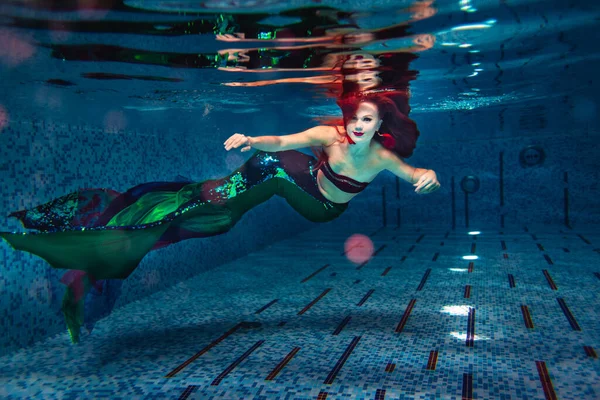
(398, 133)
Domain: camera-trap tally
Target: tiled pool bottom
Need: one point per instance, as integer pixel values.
(299, 321)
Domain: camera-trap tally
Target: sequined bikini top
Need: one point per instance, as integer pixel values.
(342, 182)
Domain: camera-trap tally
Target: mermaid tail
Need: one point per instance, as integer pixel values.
(121, 232)
(104, 254)
(80, 208)
(73, 304)
(86, 301)
(73, 312)
(109, 236)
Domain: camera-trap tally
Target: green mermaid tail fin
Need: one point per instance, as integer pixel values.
(104, 254)
(74, 314)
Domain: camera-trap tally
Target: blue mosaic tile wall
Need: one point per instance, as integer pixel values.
(41, 161)
(531, 194)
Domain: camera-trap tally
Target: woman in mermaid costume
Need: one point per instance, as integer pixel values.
(100, 235)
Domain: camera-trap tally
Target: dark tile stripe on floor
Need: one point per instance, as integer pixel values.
(282, 364)
(338, 366)
(546, 381)
(203, 351)
(405, 316)
(237, 362)
(312, 303)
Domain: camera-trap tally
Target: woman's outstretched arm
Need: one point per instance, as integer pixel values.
(318, 136)
(424, 180)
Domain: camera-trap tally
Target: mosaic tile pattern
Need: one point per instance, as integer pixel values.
(300, 321)
(41, 160)
(531, 195)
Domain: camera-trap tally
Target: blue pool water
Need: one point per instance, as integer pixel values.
(397, 298)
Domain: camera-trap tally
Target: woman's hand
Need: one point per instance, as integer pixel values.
(228, 37)
(236, 140)
(427, 183)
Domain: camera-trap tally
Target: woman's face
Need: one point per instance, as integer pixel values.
(365, 80)
(361, 126)
(361, 61)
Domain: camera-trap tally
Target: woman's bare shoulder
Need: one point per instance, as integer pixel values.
(330, 134)
(385, 156)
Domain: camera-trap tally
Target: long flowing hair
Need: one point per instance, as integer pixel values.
(398, 133)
